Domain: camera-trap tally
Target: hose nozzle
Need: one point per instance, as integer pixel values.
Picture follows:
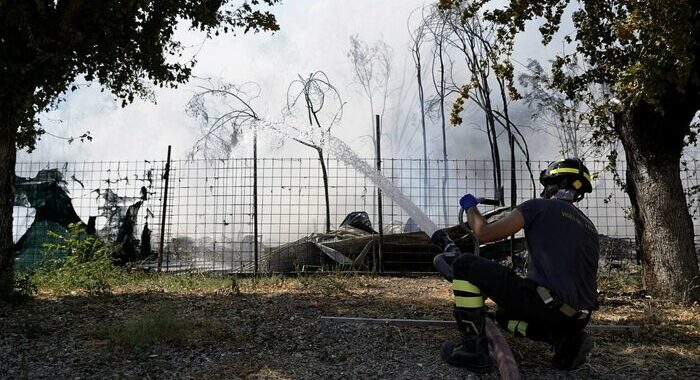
(443, 261)
(442, 240)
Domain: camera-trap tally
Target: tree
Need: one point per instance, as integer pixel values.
(372, 69)
(317, 93)
(436, 24)
(418, 36)
(647, 53)
(472, 39)
(469, 38)
(224, 111)
(559, 116)
(125, 46)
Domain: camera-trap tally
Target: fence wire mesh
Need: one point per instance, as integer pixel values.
(210, 214)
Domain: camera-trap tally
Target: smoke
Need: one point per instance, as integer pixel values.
(314, 36)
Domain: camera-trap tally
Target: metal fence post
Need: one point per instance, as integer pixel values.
(379, 198)
(513, 192)
(166, 176)
(255, 200)
(393, 215)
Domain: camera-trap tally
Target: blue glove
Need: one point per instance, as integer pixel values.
(468, 201)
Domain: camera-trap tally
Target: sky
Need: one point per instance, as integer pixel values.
(314, 35)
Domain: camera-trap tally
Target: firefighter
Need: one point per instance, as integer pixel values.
(554, 303)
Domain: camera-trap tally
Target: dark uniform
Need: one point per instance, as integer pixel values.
(563, 260)
(554, 303)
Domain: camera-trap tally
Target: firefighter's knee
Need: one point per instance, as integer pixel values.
(469, 267)
(463, 264)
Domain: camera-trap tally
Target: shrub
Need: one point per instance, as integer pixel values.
(23, 289)
(88, 265)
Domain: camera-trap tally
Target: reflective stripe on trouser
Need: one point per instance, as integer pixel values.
(467, 295)
(517, 328)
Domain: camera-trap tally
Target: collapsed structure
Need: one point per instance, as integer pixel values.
(354, 245)
(47, 195)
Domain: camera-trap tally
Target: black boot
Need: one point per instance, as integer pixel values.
(471, 349)
(572, 350)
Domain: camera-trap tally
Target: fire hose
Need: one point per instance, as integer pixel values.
(443, 264)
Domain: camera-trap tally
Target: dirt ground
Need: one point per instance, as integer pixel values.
(270, 329)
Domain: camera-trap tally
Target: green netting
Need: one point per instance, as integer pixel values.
(47, 194)
(33, 241)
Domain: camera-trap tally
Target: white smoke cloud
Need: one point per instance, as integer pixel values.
(314, 36)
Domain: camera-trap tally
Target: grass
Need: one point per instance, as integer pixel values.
(627, 279)
(172, 283)
(145, 330)
(332, 284)
(254, 320)
(162, 325)
(119, 281)
(326, 283)
(669, 331)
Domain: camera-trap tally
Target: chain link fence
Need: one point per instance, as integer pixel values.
(214, 221)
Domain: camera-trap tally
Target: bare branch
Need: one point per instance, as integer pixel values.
(316, 90)
(224, 112)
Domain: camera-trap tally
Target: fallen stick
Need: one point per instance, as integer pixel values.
(633, 330)
(389, 321)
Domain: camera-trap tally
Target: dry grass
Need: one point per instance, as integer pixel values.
(669, 333)
(200, 327)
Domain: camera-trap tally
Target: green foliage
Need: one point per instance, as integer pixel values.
(175, 283)
(88, 265)
(182, 283)
(23, 290)
(636, 52)
(125, 46)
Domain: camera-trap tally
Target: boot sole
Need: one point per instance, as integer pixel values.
(480, 369)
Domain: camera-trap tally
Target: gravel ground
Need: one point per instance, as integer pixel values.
(271, 330)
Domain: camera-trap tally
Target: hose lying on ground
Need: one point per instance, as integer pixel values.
(505, 362)
(443, 264)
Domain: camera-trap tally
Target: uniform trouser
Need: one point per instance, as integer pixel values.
(521, 311)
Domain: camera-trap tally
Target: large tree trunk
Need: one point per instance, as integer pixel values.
(653, 145)
(8, 156)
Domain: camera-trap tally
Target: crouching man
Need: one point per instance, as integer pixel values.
(554, 303)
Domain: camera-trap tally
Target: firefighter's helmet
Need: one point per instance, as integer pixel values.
(569, 173)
